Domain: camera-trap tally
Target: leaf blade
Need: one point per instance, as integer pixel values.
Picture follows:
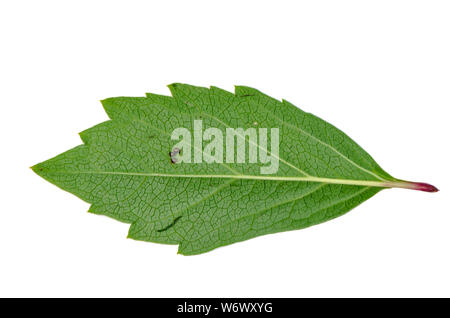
(123, 169)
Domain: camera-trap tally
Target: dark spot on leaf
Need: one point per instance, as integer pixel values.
(171, 224)
(175, 151)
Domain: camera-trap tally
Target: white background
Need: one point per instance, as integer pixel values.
(379, 70)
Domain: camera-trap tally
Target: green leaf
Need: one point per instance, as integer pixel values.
(128, 169)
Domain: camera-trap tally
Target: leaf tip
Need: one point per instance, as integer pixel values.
(38, 169)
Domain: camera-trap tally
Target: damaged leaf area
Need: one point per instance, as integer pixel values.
(128, 169)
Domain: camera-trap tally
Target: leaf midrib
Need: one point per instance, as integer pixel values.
(368, 183)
